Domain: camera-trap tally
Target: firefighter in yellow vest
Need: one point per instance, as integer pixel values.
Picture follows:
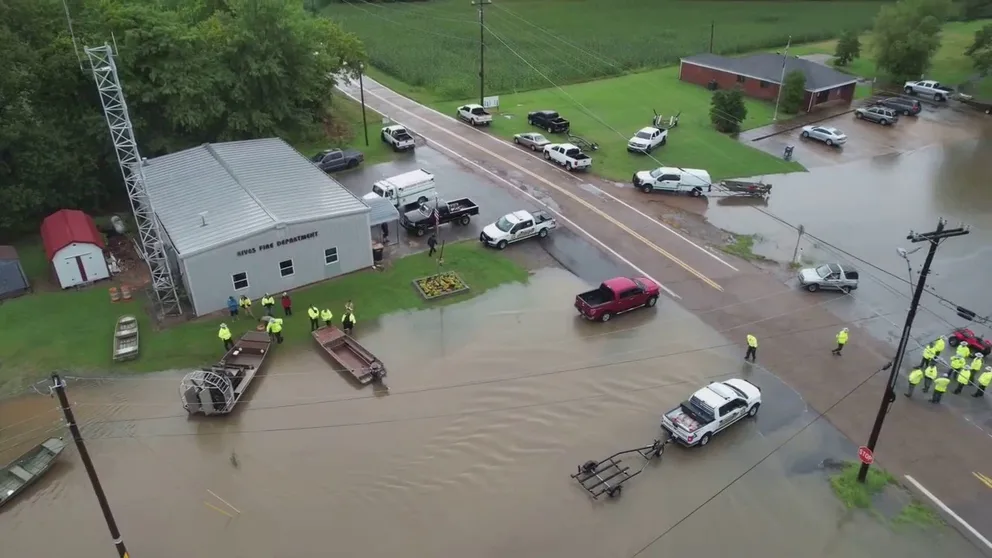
(957, 365)
(929, 375)
(348, 322)
(983, 382)
(245, 302)
(225, 335)
(928, 355)
(914, 378)
(939, 387)
(326, 316)
(964, 378)
(938, 346)
(268, 302)
(752, 347)
(274, 328)
(841, 341)
(963, 350)
(314, 315)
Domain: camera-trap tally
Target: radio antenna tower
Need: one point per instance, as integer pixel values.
(122, 133)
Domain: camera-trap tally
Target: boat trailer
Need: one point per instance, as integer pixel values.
(607, 476)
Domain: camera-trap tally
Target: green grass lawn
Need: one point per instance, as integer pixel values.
(626, 103)
(346, 132)
(73, 330)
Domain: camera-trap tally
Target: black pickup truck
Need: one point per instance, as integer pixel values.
(421, 220)
(548, 120)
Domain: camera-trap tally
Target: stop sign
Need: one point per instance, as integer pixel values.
(865, 455)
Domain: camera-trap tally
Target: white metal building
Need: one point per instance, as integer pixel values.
(254, 217)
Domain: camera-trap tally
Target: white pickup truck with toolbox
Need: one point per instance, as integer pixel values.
(674, 180)
(517, 226)
(928, 88)
(398, 137)
(475, 115)
(568, 156)
(710, 410)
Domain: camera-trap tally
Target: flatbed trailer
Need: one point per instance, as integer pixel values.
(607, 476)
(740, 189)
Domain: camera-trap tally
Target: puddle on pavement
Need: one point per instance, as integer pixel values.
(492, 403)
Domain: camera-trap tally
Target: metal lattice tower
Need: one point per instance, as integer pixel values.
(122, 133)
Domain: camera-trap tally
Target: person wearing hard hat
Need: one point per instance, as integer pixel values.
(274, 328)
(268, 302)
(914, 378)
(963, 350)
(225, 335)
(929, 375)
(314, 315)
(841, 341)
(287, 304)
(957, 365)
(929, 353)
(939, 387)
(752, 348)
(963, 379)
(983, 382)
(326, 316)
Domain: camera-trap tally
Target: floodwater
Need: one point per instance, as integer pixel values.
(491, 405)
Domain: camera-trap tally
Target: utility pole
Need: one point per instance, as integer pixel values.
(482, 48)
(781, 80)
(795, 252)
(889, 396)
(58, 386)
(712, 31)
(361, 87)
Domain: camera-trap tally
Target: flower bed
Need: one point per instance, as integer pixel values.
(440, 285)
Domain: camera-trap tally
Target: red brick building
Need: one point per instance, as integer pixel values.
(758, 76)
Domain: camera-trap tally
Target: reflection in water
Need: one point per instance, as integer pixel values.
(492, 404)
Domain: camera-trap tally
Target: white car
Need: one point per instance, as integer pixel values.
(475, 115)
(829, 136)
(517, 226)
(646, 139)
(711, 410)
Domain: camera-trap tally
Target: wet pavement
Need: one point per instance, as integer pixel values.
(457, 459)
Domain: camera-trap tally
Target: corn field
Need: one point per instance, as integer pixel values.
(434, 45)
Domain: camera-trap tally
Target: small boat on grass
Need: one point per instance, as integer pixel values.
(349, 354)
(215, 390)
(20, 473)
(126, 338)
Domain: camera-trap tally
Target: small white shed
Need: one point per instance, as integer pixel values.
(74, 246)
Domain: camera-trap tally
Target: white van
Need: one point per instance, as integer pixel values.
(408, 189)
(673, 179)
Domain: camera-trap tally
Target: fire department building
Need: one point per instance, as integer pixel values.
(759, 76)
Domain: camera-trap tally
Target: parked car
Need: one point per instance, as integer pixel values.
(548, 120)
(331, 160)
(516, 226)
(568, 156)
(829, 276)
(710, 410)
(533, 140)
(908, 107)
(432, 213)
(617, 296)
(646, 139)
(968, 337)
(397, 137)
(928, 88)
(880, 115)
(673, 180)
(475, 115)
(829, 136)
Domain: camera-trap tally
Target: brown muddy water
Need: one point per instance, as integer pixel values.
(492, 404)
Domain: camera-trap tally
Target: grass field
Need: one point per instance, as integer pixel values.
(346, 132)
(434, 46)
(73, 330)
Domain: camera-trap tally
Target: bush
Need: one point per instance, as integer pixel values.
(727, 110)
(793, 92)
(848, 48)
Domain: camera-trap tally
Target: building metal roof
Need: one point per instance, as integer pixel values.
(215, 194)
(768, 67)
(381, 211)
(68, 226)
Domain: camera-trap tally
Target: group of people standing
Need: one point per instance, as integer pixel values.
(274, 325)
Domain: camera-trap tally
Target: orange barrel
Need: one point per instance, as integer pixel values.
(114, 295)
(125, 292)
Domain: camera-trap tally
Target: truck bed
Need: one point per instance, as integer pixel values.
(685, 418)
(460, 206)
(595, 297)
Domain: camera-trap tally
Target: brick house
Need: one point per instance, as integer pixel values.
(759, 76)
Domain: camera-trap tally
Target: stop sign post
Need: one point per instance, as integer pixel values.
(865, 455)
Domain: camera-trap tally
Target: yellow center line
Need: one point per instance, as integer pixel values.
(984, 479)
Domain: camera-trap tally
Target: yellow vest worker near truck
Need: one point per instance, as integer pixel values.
(928, 355)
(929, 375)
(939, 387)
(983, 382)
(752, 348)
(914, 378)
(964, 378)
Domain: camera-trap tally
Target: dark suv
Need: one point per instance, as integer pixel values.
(909, 107)
(881, 115)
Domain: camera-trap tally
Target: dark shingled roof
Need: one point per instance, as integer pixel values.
(768, 67)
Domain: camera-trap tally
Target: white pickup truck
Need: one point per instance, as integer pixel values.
(568, 156)
(928, 88)
(710, 410)
(398, 137)
(475, 115)
(646, 139)
(517, 226)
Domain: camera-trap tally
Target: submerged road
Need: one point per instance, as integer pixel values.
(795, 330)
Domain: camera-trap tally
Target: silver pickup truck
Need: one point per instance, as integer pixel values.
(928, 88)
(832, 276)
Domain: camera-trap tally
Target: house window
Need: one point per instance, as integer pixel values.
(330, 256)
(740, 79)
(240, 281)
(763, 84)
(286, 268)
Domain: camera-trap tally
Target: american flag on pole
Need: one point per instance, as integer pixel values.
(437, 218)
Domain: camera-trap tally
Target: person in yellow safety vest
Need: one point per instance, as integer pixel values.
(914, 378)
(752, 348)
(939, 387)
(314, 315)
(245, 303)
(963, 350)
(326, 316)
(964, 378)
(225, 335)
(938, 346)
(929, 375)
(348, 322)
(928, 355)
(274, 328)
(957, 363)
(977, 364)
(841, 341)
(268, 302)
(983, 382)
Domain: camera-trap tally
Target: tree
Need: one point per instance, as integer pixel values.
(906, 36)
(727, 110)
(980, 50)
(975, 9)
(848, 48)
(793, 92)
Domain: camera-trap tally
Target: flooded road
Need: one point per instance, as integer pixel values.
(491, 405)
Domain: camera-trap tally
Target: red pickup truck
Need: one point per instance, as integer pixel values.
(616, 296)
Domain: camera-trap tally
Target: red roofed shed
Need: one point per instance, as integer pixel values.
(75, 247)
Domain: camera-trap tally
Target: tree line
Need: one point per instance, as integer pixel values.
(193, 71)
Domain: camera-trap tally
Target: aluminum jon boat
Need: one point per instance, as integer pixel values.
(350, 354)
(20, 473)
(126, 338)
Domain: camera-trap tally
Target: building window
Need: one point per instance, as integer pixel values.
(286, 268)
(330, 256)
(240, 281)
(740, 79)
(763, 84)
